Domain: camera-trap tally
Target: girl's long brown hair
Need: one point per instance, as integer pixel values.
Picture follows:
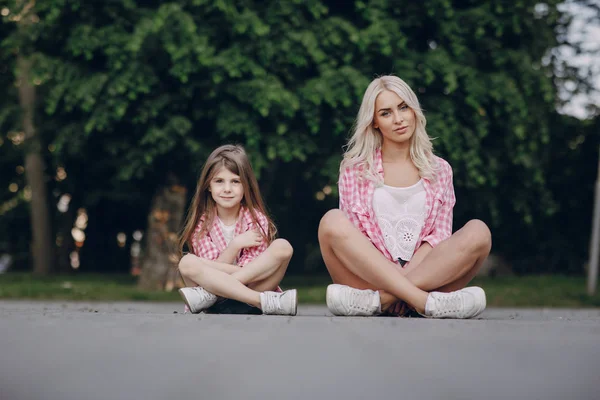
(235, 159)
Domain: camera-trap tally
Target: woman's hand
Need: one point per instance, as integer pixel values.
(247, 239)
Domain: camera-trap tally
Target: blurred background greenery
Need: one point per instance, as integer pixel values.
(111, 107)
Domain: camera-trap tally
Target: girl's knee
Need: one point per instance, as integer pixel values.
(282, 248)
(331, 223)
(188, 263)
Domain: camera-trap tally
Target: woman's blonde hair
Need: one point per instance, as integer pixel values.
(365, 138)
(235, 160)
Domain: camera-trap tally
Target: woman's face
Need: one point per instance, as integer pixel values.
(395, 120)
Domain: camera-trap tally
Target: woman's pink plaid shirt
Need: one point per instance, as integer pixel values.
(356, 201)
(212, 244)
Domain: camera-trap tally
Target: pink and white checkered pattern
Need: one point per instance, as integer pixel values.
(212, 244)
(356, 201)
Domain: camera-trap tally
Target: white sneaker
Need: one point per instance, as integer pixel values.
(276, 303)
(197, 298)
(345, 300)
(465, 303)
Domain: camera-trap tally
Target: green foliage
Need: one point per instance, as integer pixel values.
(132, 92)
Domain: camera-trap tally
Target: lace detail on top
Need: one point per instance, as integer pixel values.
(400, 213)
(228, 231)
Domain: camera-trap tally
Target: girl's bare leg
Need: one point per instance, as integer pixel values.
(214, 277)
(272, 281)
(220, 283)
(341, 241)
(273, 261)
(227, 268)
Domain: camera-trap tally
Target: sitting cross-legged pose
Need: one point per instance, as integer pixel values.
(389, 248)
(234, 253)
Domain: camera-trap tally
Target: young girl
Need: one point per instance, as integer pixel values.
(391, 244)
(233, 251)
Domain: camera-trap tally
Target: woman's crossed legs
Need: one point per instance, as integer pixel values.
(352, 260)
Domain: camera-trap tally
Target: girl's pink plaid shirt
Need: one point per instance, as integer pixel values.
(212, 244)
(356, 201)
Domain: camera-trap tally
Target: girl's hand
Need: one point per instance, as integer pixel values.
(247, 239)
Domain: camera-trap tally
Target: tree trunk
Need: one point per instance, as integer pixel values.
(161, 254)
(35, 173)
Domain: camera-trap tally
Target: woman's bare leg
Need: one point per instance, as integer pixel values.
(448, 267)
(338, 237)
(343, 276)
(454, 262)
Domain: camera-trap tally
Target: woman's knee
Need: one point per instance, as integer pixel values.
(478, 235)
(332, 224)
(282, 249)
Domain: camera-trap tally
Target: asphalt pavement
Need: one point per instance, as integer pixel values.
(88, 351)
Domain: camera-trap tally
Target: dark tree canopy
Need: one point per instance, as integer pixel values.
(131, 92)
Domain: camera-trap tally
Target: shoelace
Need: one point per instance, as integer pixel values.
(446, 304)
(359, 300)
(204, 295)
(272, 302)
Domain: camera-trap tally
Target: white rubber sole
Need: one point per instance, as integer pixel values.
(185, 300)
(479, 293)
(332, 291)
(295, 301)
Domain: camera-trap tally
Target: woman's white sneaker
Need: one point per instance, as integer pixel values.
(345, 300)
(197, 298)
(465, 303)
(279, 303)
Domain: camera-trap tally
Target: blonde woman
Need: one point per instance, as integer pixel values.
(390, 247)
(234, 253)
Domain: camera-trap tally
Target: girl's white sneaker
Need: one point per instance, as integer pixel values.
(345, 300)
(465, 303)
(197, 298)
(279, 303)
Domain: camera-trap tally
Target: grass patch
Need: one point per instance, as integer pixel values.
(527, 291)
(89, 287)
(538, 291)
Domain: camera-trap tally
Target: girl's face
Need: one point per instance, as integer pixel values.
(395, 120)
(226, 189)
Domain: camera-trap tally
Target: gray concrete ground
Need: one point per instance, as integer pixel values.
(149, 351)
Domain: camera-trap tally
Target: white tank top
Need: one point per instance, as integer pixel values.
(400, 213)
(228, 231)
